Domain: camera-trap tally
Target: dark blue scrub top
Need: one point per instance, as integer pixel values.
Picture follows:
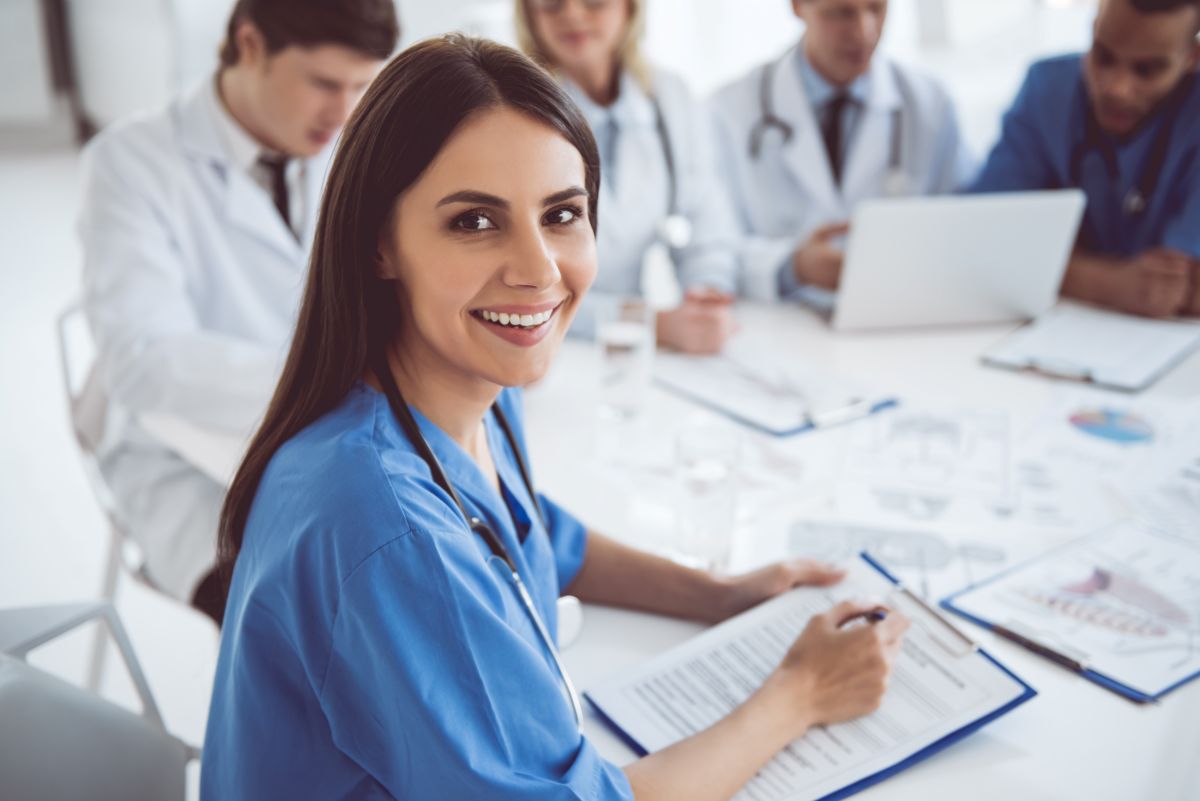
(1048, 121)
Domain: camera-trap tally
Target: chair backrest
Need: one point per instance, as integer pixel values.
(87, 409)
(58, 741)
(86, 401)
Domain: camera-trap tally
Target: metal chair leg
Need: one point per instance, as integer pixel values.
(108, 594)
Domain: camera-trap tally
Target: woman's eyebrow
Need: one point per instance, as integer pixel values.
(471, 196)
(486, 199)
(566, 194)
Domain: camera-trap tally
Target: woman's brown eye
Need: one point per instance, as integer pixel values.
(563, 216)
(473, 221)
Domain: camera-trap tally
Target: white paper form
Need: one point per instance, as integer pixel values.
(1107, 348)
(940, 685)
(1125, 603)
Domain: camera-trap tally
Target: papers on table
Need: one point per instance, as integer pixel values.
(924, 465)
(1113, 350)
(774, 397)
(1122, 607)
(942, 689)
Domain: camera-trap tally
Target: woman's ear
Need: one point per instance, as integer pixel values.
(385, 261)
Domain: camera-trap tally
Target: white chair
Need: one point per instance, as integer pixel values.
(58, 741)
(87, 409)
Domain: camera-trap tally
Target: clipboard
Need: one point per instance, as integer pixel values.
(1095, 346)
(1052, 646)
(960, 645)
(779, 406)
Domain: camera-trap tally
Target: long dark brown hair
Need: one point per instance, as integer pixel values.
(349, 315)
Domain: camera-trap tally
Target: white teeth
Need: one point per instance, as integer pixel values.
(521, 320)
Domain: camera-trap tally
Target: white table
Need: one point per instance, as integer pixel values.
(1074, 741)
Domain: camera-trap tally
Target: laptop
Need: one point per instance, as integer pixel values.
(956, 260)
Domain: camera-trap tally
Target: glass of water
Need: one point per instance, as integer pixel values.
(625, 334)
(706, 460)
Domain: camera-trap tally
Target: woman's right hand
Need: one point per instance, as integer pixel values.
(841, 671)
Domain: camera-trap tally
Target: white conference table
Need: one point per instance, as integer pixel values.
(1075, 741)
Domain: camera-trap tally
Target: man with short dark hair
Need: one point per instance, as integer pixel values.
(1121, 122)
(196, 223)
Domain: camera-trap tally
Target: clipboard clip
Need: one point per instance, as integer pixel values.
(836, 415)
(1063, 655)
(1058, 368)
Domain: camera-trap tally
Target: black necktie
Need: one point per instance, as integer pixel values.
(831, 132)
(276, 167)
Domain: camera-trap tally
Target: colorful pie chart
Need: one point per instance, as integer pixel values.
(1112, 425)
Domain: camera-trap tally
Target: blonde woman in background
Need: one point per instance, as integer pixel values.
(660, 192)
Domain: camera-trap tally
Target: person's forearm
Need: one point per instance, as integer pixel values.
(1089, 278)
(714, 764)
(617, 575)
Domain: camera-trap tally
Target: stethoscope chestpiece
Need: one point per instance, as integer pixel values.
(675, 231)
(1134, 203)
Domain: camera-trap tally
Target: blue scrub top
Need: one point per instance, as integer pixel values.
(372, 646)
(1044, 128)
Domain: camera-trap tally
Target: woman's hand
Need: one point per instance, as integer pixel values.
(837, 669)
(702, 324)
(739, 593)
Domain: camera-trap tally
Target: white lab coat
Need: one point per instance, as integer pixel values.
(634, 194)
(789, 190)
(192, 282)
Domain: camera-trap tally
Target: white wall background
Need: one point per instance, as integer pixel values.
(27, 97)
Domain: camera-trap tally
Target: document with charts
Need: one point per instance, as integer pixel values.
(1123, 605)
(942, 689)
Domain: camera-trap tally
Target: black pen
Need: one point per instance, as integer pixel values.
(875, 615)
(1041, 650)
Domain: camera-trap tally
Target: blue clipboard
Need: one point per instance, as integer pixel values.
(1096, 677)
(809, 425)
(1027, 692)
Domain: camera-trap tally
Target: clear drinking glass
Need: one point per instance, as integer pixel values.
(706, 459)
(625, 335)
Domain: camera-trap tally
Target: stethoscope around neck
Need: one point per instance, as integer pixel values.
(895, 182)
(1137, 199)
(496, 545)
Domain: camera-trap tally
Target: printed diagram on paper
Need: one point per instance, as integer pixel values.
(927, 467)
(1126, 601)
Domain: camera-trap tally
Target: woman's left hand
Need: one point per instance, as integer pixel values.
(739, 593)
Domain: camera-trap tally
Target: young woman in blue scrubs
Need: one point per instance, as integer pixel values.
(377, 645)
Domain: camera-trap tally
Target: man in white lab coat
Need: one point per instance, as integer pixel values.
(806, 136)
(196, 225)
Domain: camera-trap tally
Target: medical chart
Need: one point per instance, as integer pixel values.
(940, 686)
(1124, 602)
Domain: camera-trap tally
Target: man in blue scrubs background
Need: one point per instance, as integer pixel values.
(1121, 122)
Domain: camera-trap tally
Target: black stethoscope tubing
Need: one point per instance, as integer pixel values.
(1138, 197)
(768, 119)
(413, 431)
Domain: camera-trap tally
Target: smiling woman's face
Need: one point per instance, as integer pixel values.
(492, 251)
